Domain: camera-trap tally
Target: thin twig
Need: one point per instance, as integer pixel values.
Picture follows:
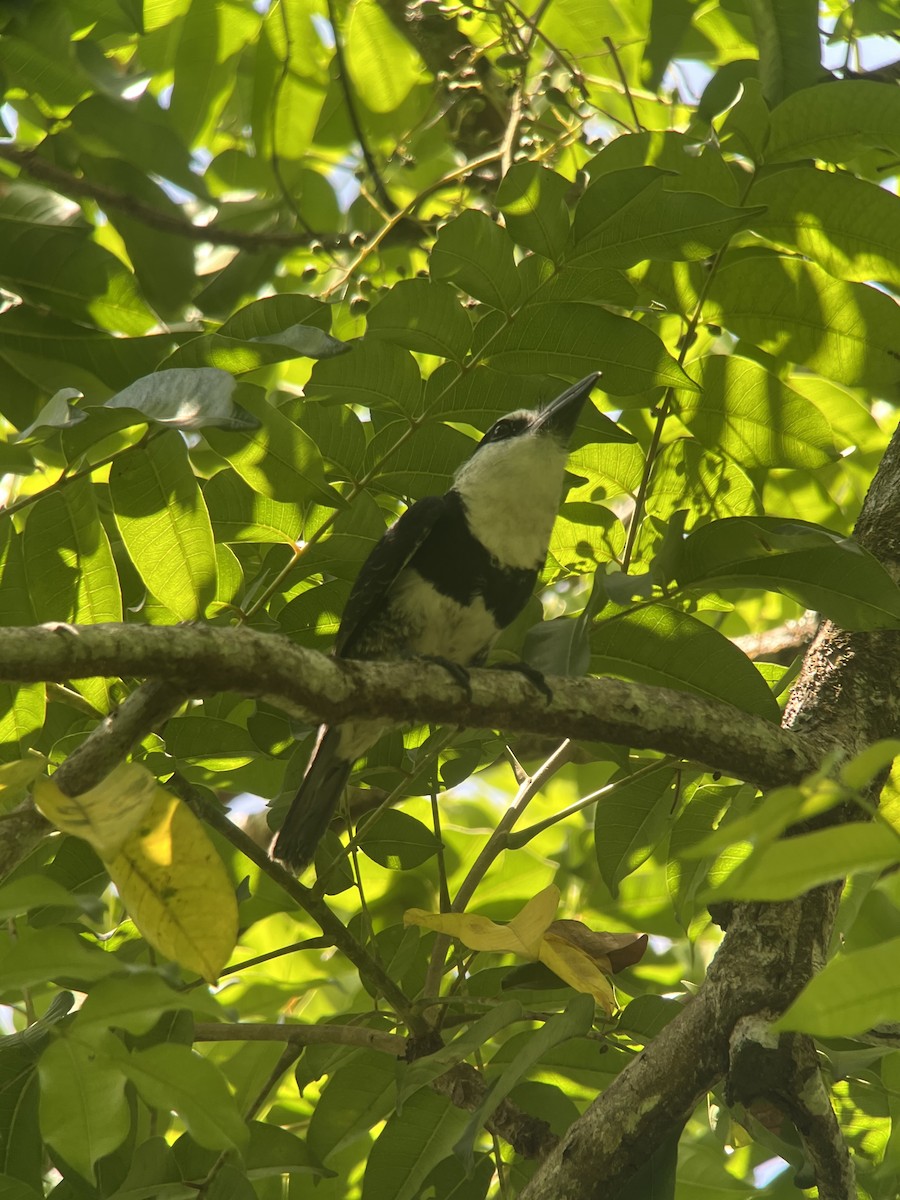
(275, 157)
(611, 47)
(492, 847)
(350, 101)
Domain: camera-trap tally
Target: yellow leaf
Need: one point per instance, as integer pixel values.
(521, 936)
(530, 925)
(107, 814)
(577, 969)
(176, 888)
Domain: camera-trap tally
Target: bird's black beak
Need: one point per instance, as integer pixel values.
(561, 415)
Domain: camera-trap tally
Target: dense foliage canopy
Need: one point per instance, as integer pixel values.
(267, 273)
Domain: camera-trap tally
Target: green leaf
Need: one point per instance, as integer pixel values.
(68, 561)
(789, 46)
(410, 1146)
(661, 646)
(267, 317)
(476, 255)
(850, 227)
(276, 1151)
(798, 313)
(41, 955)
(416, 461)
(59, 267)
(173, 1078)
(835, 122)
(853, 993)
(59, 353)
(628, 216)
(558, 647)
(277, 458)
(421, 1072)
(377, 375)
(423, 316)
(792, 866)
(609, 471)
(209, 742)
(398, 841)
(533, 199)
(754, 418)
(820, 569)
(164, 524)
(239, 514)
(70, 569)
(631, 821)
(590, 280)
(573, 339)
(83, 1111)
(58, 413)
(383, 65)
(22, 1151)
(240, 356)
(38, 891)
(690, 166)
(357, 1096)
(186, 398)
(688, 477)
(135, 1005)
(574, 1022)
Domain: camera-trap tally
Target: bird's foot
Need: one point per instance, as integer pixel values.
(532, 674)
(458, 672)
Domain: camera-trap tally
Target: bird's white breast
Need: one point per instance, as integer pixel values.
(511, 492)
(437, 625)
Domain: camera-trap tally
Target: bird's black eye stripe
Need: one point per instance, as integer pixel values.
(504, 428)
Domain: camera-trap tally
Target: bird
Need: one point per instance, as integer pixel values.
(442, 582)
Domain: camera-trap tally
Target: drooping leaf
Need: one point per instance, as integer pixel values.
(399, 841)
(662, 646)
(835, 123)
(164, 524)
(798, 313)
(822, 570)
(186, 398)
(476, 256)
(626, 217)
(532, 199)
(630, 822)
(571, 339)
(83, 1112)
(753, 417)
(424, 316)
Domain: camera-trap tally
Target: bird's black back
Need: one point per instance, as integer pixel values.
(434, 539)
(453, 560)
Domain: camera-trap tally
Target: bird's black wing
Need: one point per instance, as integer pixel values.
(384, 564)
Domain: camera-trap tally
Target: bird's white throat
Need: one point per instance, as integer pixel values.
(511, 491)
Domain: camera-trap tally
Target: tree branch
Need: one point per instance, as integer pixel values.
(31, 162)
(302, 1035)
(200, 660)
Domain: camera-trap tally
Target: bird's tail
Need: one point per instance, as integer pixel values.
(316, 801)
